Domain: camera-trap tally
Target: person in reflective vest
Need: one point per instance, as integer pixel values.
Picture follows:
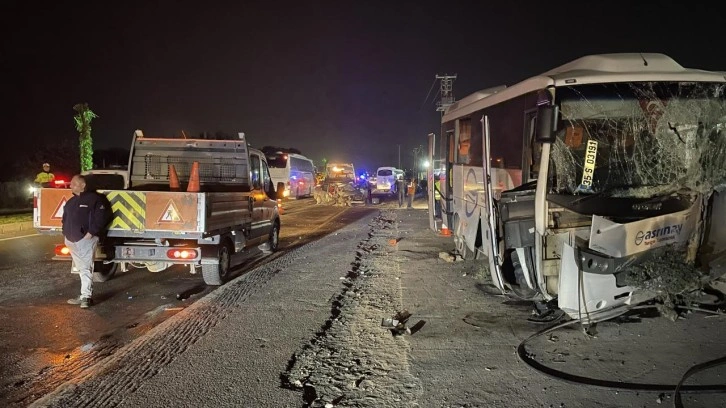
(437, 195)
(411, 192)
(45, 178)
(400, 190)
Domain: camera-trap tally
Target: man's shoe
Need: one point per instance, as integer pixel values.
(84, 302)
(74, 301)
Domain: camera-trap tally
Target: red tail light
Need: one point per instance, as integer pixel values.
(181, 254)
(62, 250)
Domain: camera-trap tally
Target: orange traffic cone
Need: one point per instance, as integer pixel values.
(193, 186)
(173, 179)
(445, 231)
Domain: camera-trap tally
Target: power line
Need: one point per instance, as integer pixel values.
(429, 93)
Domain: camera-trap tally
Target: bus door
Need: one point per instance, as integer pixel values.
(430, 182)
(489, 222)
(531, 149)
(447, 188)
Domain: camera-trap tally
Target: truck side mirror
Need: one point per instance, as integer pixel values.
(280, 192)
(546, 123)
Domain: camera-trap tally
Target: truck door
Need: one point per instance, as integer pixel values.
(262, 204)
(269, 201)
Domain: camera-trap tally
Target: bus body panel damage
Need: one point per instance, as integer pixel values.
(593, 187)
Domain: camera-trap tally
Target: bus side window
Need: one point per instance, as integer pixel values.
(464, 142)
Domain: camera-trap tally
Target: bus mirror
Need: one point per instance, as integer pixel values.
(546, 120)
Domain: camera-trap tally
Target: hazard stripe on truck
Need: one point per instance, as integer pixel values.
(129, 209)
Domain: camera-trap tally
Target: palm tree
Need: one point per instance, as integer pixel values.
(83, 125)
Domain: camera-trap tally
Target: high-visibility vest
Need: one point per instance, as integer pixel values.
(437, 189)
(411, 188)
(44, 177)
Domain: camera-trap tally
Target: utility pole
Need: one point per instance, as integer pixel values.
(416, 152)
(446, 93)
(399, 156)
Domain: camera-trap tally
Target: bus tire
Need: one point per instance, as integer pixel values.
(521, 289)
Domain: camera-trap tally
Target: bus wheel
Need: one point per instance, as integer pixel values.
(521, 288)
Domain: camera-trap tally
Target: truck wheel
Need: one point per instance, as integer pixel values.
(274, 239)
(217, 274)
(103, 272)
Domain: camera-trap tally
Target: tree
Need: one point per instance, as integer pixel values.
(83, 125)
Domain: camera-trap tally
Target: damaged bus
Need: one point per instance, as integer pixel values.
(594, 186)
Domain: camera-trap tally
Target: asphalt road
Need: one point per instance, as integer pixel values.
(44, 340)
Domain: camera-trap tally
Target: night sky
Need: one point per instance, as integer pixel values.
(344, 80)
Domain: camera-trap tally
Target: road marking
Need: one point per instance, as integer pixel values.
(21, 236)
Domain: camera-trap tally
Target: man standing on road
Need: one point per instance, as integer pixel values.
(400, 190)
(84, 217)
(411, 192)
(437, 195)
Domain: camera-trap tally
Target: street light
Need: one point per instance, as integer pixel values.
(426, 164)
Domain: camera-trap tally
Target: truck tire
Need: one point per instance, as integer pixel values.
(274, 240)
(103, 272)
(217, 274)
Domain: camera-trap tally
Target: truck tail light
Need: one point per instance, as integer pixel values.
(62, 250)
(181, 253)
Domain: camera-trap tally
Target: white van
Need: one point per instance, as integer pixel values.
(386, 180)
(107, 179)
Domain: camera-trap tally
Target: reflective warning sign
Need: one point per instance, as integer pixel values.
(58, 213)
(129, 209)
(170, 213)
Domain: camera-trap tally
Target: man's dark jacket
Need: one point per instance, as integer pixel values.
(83, 213)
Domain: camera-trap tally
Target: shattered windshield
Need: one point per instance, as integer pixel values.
(639, 139)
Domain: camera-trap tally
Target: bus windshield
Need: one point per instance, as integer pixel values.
(639, 139)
